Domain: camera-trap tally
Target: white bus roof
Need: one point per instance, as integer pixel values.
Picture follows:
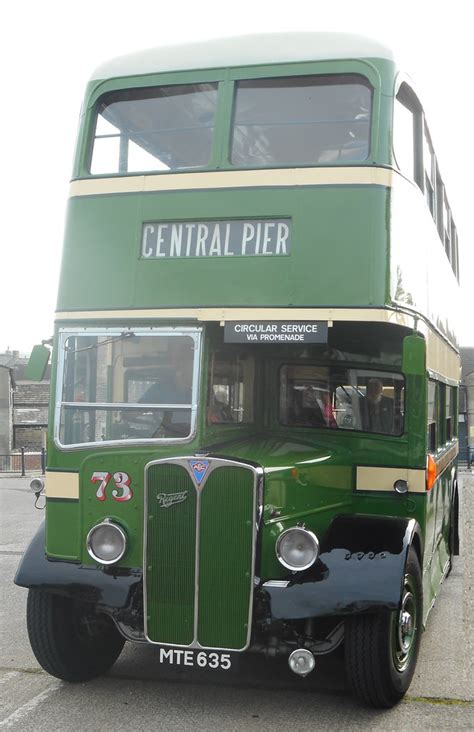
(250, 50)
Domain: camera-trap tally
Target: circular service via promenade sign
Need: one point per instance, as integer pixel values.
(278, 331)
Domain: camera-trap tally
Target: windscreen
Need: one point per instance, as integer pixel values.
(127, 386)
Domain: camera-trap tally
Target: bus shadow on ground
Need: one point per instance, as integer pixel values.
(142, 663)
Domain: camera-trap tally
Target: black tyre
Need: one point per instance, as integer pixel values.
(69, 639)
(453, 535)
(381, 650)
(454, 524)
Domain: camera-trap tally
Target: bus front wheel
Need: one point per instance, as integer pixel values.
(71, 641)
(381, 649)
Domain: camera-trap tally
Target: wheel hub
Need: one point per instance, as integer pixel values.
(405, 627)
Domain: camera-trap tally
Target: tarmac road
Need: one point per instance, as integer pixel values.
(137, 695)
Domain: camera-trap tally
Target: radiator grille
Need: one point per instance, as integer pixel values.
(205, 531)
(225, 566)
(170, 571)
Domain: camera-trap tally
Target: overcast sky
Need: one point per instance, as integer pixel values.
(48, 51)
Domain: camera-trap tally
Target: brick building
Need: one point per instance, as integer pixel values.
(28, 421)
(7, 385)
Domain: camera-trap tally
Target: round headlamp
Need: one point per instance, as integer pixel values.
(106, 542)
(297, 549)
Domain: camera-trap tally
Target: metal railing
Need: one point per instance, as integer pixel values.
(23, 462)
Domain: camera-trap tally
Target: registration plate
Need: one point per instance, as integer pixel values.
(197, 658)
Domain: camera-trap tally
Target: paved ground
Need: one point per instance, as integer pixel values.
(136, 694)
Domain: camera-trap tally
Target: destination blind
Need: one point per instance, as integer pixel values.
(228, 238)
(276, 332)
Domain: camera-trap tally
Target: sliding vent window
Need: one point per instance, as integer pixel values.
(156, 129)
(308, 120)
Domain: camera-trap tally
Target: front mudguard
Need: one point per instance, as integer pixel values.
(107, 589)
(360, 569)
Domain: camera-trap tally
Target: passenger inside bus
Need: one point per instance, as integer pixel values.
(219, 412)
(328, 411)
(376, 410)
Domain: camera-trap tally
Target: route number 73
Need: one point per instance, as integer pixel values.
(121, 492)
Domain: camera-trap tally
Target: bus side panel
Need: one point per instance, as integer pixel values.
(440, 557)
(415, 247)
(437, 552)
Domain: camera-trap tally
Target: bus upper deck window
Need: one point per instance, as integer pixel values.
(154, 129)
(430, 172)
(301, 120)
(404, 139)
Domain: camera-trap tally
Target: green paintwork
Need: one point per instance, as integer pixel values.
(128, 514)
(126, 281)
(225, 557)
(64, 539)
(414, 356)
(415, 419)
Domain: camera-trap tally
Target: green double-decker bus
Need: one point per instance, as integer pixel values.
(253, 424)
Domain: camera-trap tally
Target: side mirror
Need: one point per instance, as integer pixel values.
(37, 363)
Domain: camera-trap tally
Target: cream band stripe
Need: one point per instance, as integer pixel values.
(62, 485)
(376, 315)
(274, 178)
(382, 479)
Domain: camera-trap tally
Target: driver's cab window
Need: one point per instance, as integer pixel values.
(127, 385)
(231, 388)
